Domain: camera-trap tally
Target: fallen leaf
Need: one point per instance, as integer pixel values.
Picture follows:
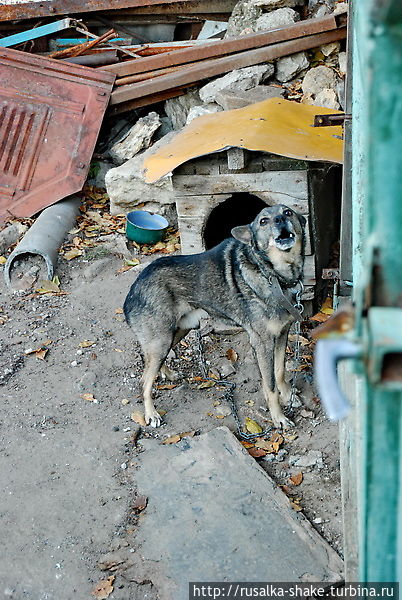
(296, 506)
(232, 355)
(299, 338)
(138, 417)
(104, 588)
(86, 344)
(319, 317)
(133, 262)
(41, 353)
(287, 490)
(118, 311)
(173, 439)
(188, 434)
(252, 426)
(246, 444)
(162, 412)
(166, 386)
(250, 402)
(70, 254)
(297, 478)
(47, 287)
(3, 260)
(326, 308)
(89, 397)
(257, 452)
(139, 504)
(118, 350)
(205, 385)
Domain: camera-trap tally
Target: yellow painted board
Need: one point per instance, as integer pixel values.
(276, 125)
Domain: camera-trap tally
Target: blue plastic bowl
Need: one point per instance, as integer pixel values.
(144, 227)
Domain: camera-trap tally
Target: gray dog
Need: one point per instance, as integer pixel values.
(249, 279)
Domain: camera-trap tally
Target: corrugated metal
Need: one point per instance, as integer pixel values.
(50, 116)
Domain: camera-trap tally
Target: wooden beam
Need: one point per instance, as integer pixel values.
(224, 47)
(210, 68)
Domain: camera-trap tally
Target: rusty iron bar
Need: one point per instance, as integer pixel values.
(330, 120)
(146, 76)
(38, 8)
(147, 100)
(210, 68)
(110, 44)
(81, 48)
(224, 47)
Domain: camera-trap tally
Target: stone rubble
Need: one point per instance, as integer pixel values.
(315, 77)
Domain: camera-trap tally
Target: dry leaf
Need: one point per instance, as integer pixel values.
(133, 262)
(297, 478)
(41, 353)
(104, 588)
(252, 426)
(257, 452)
(295, 506)
(246, 444)
(173, 439)
(73, 253)
(166, 386)
(118, 350)
(47, 287)
(86, 344)
(118, 311)
(139, 504)
(206, 384)
(326, 308)
(319, 317)
(299, 338)
(3, 260)
(138, 417)
(162, 412)
(89, 398)
(232, 355)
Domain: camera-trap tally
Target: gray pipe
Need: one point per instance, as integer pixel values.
(46, 235)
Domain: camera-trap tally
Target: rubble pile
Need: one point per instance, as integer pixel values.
(162, 76)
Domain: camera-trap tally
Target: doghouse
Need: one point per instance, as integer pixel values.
(216, 193)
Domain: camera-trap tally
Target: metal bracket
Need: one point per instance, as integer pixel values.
(385, 347)
(331, 119)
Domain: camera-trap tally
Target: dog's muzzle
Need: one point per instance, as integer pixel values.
(285, 235)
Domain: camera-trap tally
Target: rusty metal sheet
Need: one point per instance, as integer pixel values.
(28, 9)
(275, 125)
(211, 49)
(50, 116)
(205, 69)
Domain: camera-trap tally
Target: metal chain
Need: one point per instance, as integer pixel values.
(228, 396)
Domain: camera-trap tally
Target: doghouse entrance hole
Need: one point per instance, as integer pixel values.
(239, 209)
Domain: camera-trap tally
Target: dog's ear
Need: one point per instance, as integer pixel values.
(302, 220)
(242, 233)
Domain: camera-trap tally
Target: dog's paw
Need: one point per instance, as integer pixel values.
(282, 422)
(153, 418)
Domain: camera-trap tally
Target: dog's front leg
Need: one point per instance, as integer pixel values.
(264, 348)
(280, 356)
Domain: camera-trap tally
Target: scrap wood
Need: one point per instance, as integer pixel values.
(221, 48)
(209, 68)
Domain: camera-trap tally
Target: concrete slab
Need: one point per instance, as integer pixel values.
(214, 515)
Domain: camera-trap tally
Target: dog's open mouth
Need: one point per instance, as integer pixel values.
(285, 240)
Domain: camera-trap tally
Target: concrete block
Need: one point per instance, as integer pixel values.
(241, 79)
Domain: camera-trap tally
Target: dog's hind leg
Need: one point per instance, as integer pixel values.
(265, 353)
(165, 371)
(153, 358)
(280, 352)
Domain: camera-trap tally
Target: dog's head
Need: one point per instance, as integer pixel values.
(274, 228)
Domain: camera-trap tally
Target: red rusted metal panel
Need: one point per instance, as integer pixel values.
(50, 116)
(18, 9)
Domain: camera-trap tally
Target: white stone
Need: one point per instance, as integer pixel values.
(313, 458)
(273, 4)
(232, 99)
(318, 79)
(177, 109)
(127, 187)
(327, 98)
(290, 66)
(136, 139)
(203, 109)
(342, 61)
(244, 16)
(329, 49)
(277, 18)
(241, 79)
(341, 8)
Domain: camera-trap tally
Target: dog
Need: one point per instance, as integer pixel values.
(249, 279)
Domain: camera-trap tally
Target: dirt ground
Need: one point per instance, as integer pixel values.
(69, 383)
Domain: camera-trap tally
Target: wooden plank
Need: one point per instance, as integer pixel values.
(283, 186)
(236, 159)
(221, 48)
(210, 68)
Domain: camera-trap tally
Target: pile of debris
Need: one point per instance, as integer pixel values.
(182, 61)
